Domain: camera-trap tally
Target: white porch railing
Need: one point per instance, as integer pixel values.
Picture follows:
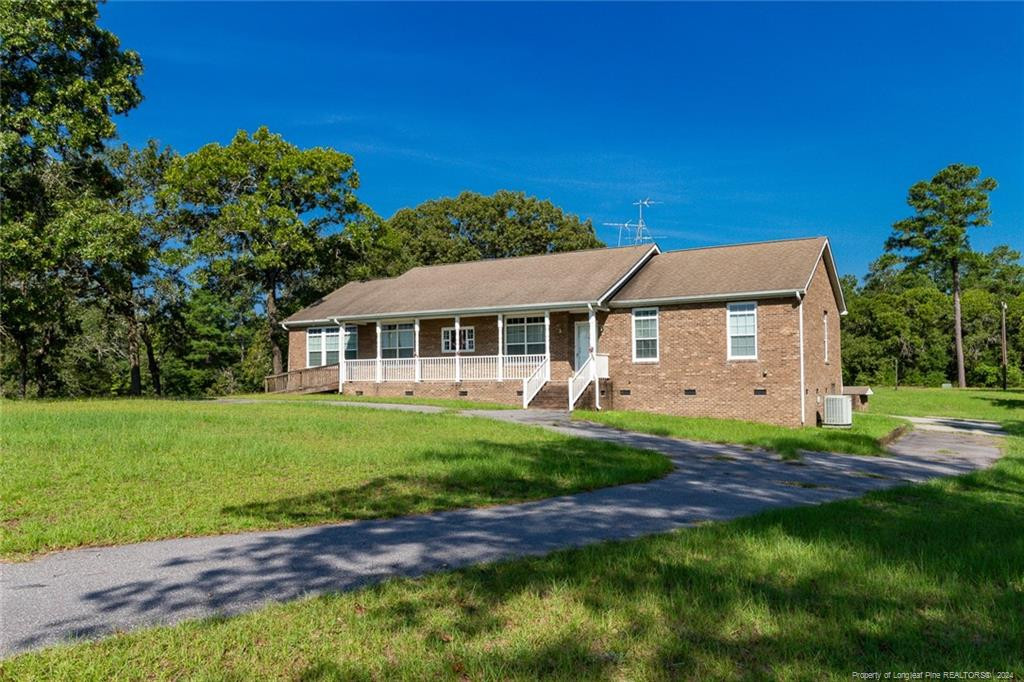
(580, 379)
(533, 383)
(447, 368)
(360, 370)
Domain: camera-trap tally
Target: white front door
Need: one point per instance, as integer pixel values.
(582, 343)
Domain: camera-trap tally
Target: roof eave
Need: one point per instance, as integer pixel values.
(707, 298)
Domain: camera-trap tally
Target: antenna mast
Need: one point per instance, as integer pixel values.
(636, 233)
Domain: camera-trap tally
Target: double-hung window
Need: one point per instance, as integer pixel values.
(524, 336)
(323, 343)
(351, 342)
(397, 340)
(645, 335)
(742, 331)
(467, 340)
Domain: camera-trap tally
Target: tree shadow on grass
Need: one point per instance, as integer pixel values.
(478, 473)
(903, 579)
(662, 594)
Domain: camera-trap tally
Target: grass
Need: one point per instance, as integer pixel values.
(987, 404)
(450, 403)
(110, 472)
(922, 578)
(862, 439)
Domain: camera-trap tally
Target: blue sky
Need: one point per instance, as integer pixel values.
(748, 121)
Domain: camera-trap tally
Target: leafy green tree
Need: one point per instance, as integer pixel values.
(255, 210)
(63, 80)
(999, 271)
(936, 236)
(472, 226)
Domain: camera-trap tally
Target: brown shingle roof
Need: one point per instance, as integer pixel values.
(576, 277)
(779, 266)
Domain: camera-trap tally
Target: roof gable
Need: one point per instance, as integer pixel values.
(762, 268)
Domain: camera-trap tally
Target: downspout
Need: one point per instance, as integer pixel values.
(803, 397)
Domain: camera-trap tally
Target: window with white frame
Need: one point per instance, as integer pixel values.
(524, 336)
(351, 342)
(397, 340)
(742, 331)
(467, 340)
(824, 322)
(645, 335)
(322, 344)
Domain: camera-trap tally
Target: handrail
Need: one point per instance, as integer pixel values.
(579, 381)
(533, 383)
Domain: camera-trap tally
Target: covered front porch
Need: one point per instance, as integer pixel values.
(510, 356)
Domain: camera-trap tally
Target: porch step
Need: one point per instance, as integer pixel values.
(554, 395)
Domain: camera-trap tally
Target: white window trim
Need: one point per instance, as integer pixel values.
(824, 321)
(470, 338)
(657, 335)
(397, 328)
(728, 331)
(322, 334)
(351, 332)
(512, 322)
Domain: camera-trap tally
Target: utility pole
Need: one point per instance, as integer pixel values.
(1002, 339)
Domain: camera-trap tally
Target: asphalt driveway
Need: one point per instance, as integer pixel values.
(91, 592)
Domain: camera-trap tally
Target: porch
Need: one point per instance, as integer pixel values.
(510, 357)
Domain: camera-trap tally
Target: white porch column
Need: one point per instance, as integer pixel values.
(547, 343)
(501, 347)
(342, 340)
(592, 320)
(458, 348)
(378, 367)
(416, 348)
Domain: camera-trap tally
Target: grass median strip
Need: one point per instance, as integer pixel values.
(864, 438)
(925, 577)
(76, 473)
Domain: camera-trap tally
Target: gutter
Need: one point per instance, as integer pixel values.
(730, 296)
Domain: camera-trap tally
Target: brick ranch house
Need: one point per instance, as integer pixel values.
(748, 331)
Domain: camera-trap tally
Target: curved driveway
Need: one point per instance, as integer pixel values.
(91, 592)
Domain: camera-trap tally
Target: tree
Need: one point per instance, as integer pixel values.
(254, 212)
(936, 236)
(473, 226)
(63, 81)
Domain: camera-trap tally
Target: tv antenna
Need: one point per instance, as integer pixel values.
(635, 233)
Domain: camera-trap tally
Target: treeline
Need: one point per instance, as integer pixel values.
(141, 271)
(900, 323)
(129, 271)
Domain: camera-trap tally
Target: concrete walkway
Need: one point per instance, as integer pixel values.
(91, 592)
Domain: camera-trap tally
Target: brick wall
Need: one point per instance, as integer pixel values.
(820, 378)
(506, 392)
(693, 356)
(296, 349)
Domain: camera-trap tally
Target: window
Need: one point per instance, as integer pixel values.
(645, 335)
(314, 347)
(467, 340)
(322, 345)
(351, 342)
(524, 336)
(742, 331)
(824, 322)
(397, 340)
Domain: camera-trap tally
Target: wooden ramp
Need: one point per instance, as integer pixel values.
(311, 380)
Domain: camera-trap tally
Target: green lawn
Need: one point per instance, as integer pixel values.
(988, 404)
(117, 471)
(861, 439)
(922, 578)
(450, 403)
